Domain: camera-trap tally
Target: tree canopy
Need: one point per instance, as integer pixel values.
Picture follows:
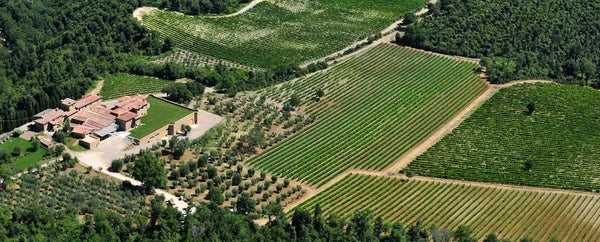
(517, 40)
(150, 170)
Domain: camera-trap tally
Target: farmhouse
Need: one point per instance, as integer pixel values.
(136, 104)
(52, 119)
(49, 120)
(92, 122)
(86, 122)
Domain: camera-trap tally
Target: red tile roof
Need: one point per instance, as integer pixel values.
(127, 116)
(50, 116)
(118, 111)
(67, 101)
(95, 119)
(87, 100)
(130, 103)
(101, 110)
(81, 130)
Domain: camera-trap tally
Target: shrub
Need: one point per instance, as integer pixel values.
(59, 136)
(175, 175)
(217, 180)
(251, 172)
(263, 176)
(236, 179)
(17, 150)
(212, 172)
(116, 165)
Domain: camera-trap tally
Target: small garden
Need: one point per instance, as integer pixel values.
(22, 153)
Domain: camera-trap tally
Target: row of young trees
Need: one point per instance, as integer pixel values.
(516, 39)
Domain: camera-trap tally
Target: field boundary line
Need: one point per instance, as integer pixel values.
(311, 192)
(387, 34)
(451, 124)
(393, 169)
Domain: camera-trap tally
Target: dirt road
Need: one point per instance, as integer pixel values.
(118, 146)
(98, 88)
(450, 125)
(446, 128)
(243, 10)
(388, 33)
(141, 11)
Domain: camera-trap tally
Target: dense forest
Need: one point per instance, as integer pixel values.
(556, 39)
(56, 49)
(211, 223)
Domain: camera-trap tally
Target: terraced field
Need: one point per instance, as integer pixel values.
(559, 140)
(280, 32)
(193, 60)
(377, 106)
(509, 213)
(121, 84)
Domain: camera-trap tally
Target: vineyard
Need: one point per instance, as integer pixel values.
(501, 143)
(193, 60)
(286, 32)
(376, 107)
(121, 84)
(509, 213)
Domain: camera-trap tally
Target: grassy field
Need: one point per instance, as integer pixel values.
(27, 157)
(284, 32)
(73, 144)
(121, 84)
(376, 107)
(509, 213)
(160, 114)
(560, 139)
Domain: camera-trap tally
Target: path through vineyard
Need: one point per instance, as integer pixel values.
(388, 35)
(446, 128)
(139, 12)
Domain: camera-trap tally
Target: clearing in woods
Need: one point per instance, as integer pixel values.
(502, 143)
(509, 213)
(283, 32)
(377, 106)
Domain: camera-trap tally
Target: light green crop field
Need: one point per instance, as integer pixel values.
(121, 84)
(560, 139)
(509, 213)
(376, 107)
(280, 32)
(160, 114)
(27, 157)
